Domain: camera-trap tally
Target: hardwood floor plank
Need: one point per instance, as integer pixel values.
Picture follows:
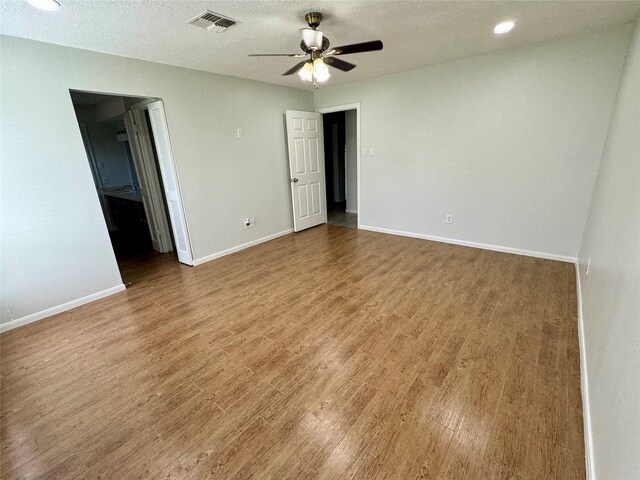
(361, 355)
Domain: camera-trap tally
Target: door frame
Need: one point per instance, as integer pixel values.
(141, 106)
(344, 108)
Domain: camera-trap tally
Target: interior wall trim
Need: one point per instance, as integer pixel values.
(237, 248)
(465, 243)
(584, 385)
(34, 317)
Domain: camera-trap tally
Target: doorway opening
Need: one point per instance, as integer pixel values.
(127, 145)
(341, 166)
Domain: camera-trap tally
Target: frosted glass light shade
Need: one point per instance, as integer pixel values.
(49, 5)
(306, 72)
(320, 70)
(312, 38)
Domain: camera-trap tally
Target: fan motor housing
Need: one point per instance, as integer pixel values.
(325, 45)
(313, 19)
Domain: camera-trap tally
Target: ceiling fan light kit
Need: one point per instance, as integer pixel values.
(49, 5)
(306, 72)
(316, 47)
(312, 38)
(320, 70)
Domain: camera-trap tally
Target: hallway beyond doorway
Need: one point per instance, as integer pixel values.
(338, 216)
(341, 170)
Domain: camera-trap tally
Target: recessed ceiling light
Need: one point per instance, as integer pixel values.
(500, 28)
(45, 4)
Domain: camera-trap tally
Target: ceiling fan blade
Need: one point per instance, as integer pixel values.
(339, 64)
(278, 55)
(357, 48)
(294, 69)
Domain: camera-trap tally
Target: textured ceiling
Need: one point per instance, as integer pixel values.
(415, 33)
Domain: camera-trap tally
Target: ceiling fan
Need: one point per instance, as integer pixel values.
(316, 46)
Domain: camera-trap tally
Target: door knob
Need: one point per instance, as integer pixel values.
(294, 180)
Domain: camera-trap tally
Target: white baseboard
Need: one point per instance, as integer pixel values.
(228, 251)
(584, 384)
(34, 317)
(119, 288)
(464, 243)
(351, 211)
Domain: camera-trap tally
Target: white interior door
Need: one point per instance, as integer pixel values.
(154, 186)
(306, 168)
(170, 180)
(149, 187)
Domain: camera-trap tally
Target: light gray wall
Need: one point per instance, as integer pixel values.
(611, 291)
(351, 127)
(55, 246)
(509, 143)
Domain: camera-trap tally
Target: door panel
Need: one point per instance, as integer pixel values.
(299, 155)
(154, 186)
(306, 167)
(316, 199)
(303, 201)
(145, 184)
(169, 179)
(314, 155)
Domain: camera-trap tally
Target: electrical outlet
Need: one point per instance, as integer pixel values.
(371, 151)
(239, 133)
(249, 223)
(365, 152)
(449, 218)
(588, 267)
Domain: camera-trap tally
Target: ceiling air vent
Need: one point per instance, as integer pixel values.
(212, 21)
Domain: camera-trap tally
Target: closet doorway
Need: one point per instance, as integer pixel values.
(129, 152)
